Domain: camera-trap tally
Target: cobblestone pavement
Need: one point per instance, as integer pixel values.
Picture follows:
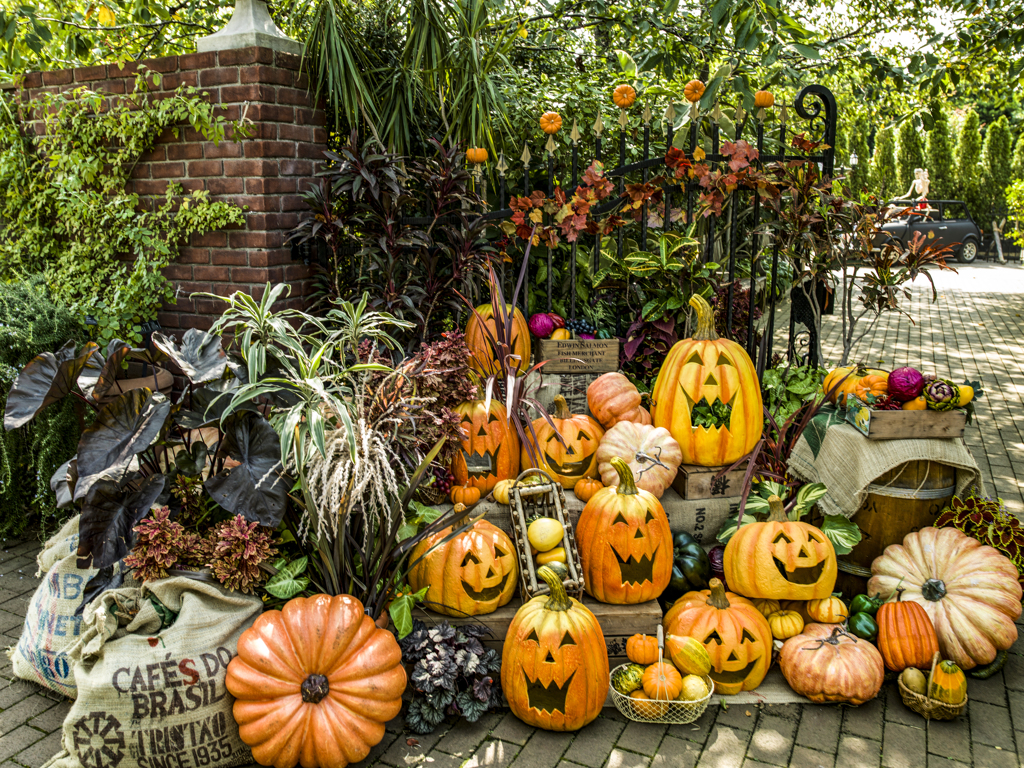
(974, 331)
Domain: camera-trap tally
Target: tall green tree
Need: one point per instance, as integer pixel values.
(909, 154)
(1017, 165)
(997, 157)
(939, 158)
(969, 171)
(857, 145)
(883, 165)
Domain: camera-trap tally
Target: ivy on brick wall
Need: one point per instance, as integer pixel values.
(66, 212)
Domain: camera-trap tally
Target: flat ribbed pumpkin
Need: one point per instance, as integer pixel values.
(314, 683)
(706, 367)
(825, 663)
(652, 454)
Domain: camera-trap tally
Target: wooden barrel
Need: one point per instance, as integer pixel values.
(901, 501)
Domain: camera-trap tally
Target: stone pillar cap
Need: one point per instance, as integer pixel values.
(250, 25)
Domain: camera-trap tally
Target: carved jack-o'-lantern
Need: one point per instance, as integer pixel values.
(708, 368)
(490, 447)
(482, 354)
(780, 559)
(472, 574)
(735, 634)
(625, 543)
(578, 457)
(554, 665)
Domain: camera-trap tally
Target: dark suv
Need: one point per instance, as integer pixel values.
(945, 222)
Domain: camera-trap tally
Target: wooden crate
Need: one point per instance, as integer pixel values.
(916, 425)
(695, 482)
(579, 355)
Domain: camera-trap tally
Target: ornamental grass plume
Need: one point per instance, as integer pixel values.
(238, 548)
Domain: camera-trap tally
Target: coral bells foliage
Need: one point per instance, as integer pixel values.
(162, 544)
(990, 523)
(573, 216)
(716, 185)
(238, 548)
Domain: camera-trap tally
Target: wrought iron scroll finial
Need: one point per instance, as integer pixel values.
(810, 103)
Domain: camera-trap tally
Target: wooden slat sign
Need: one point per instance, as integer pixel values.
(580, 355)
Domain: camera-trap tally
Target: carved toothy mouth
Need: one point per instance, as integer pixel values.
(731, 677)
(570, 468)
(487, 593)
(480, 464)
(807, 575)
(636, 571)
(690, 405)
(547, 698)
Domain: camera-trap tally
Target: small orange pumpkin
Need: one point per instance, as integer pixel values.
(872, 385)
(693, 90)
(476, 155)
(623, 96)
(465, 494)
(550, 122)
(827, 610)
(662, 681)
(764, 99)
(642, 649)
(586, 488)
(644, 707)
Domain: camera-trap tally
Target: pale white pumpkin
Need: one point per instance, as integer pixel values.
(651, 452)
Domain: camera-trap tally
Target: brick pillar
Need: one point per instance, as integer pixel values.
(265, 172)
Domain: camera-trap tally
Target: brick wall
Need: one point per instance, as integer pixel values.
(264, 172)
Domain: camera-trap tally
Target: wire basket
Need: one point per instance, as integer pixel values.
(668, 711)
(927, 707)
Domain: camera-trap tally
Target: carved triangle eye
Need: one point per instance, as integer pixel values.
(713, 637)
(782, 537)
(619, 518)
(499, 552)
(695, 358)
(583, 436)
(650, 517)
(466, 419)
(747, 637)
(566, 640)
(470, 558)
(711, 381)
(723, 360)
(533, 636)
(491, 418)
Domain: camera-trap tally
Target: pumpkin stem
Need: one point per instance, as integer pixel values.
(776, 512)
(561, 408)
(705, 319)
(627, 485)
(314, 689)
(552, 574)
(717, 599)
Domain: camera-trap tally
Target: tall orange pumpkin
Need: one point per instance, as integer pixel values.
(780, 559)
(490, 446)
(906, 636)
(737, 637)
(554, 665)
(625, 543)
(471, 574)
(574, 460)
(314, 683)
(481, 355)
(707, 367)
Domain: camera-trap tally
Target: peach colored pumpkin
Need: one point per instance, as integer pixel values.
(612, 398)
(652, 454)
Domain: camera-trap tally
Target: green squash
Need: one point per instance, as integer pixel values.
(628, 678)
(863, 625)
(691, 567)
(865, 604)
(985, 672)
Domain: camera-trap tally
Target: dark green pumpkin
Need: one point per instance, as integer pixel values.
(691, 568)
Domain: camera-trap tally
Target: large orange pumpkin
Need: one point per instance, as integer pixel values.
(737, 637)
(471, 574)
(482, 358)
(780, 559)
(706, 367)
(825, 663)
(314, 683)
(490, 446)
(651, 452)
(625, 543)
(554, 665)
(572, 461)
(906, 636)
(612, 398)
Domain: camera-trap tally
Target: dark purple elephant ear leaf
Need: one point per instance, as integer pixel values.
(111, 577)
(200, 356)
(63, 482)
(100, 372)
(124, 428)
(47, 378)
(109, 513)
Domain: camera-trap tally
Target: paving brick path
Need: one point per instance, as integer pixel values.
(975, 331)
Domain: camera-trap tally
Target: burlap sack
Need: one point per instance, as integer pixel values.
(51, 626)
(150, 666)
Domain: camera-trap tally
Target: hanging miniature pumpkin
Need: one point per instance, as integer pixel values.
(471, 574)
(623, 96)
(949, 684)
(874, 385)
(705, 367)
(550, 122)
(465, 494)
(827, 610)
(586, 488)
(693, 90)
(850, 377)
(968, 590)
(612, 398)
(736, 636)
(502, 491)
(691, 567)
(662, 681)
(767, 606)
(785, 624)
(906, 636)
(642, 649)
(574, 460)
(825, 663)
(314, 683)
(490, 446)
(554, 665)
(763, 99)
(482, 358)
(625, 543)
(652, 454)
(476, 155)
(781, 559)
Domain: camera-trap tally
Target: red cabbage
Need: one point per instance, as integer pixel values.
(905, 384)
(541, 325)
